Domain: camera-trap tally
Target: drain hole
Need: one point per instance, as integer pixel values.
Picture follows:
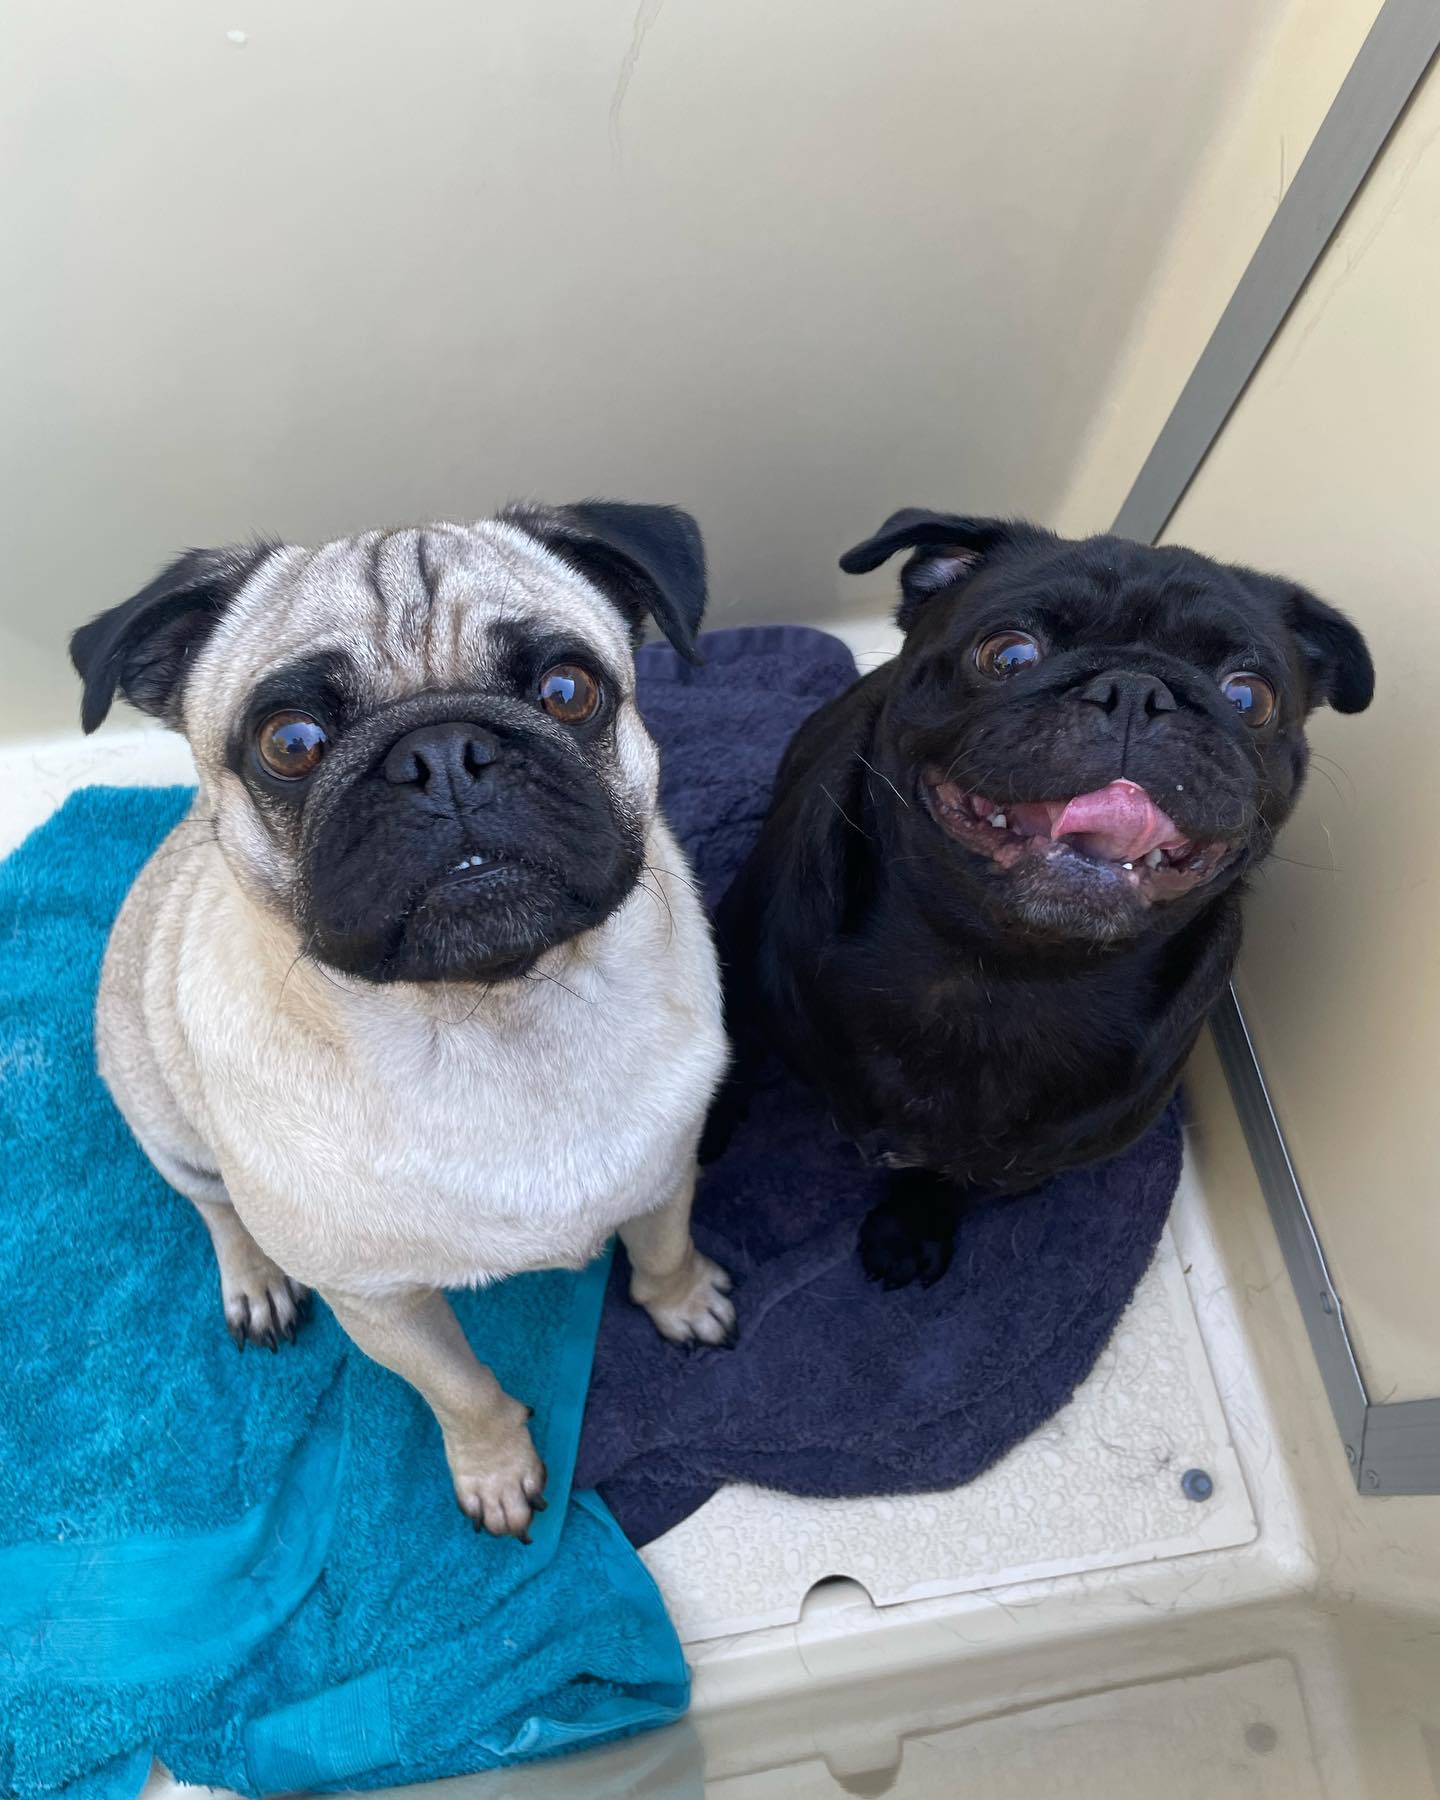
(834, 1593)
(872, 1783)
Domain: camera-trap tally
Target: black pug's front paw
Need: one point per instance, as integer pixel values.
(908, 1238)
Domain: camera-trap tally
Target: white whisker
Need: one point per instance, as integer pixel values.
(888, 782)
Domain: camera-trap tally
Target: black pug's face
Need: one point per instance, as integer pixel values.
(1099, 736)
(422, 746)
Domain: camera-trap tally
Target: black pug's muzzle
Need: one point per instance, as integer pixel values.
(1097, 797)
(457, 837)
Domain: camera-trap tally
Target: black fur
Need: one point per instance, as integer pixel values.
(648, 560)
(981, 1027)
(142, 646)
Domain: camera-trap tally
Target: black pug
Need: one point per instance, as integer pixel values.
(999, 886)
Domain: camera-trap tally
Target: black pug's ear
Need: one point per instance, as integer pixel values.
(1335, 657)
(948, 549)
(142, 646)
(649, 561)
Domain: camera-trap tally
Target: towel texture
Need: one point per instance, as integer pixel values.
(836, 1387)
(252, 1566)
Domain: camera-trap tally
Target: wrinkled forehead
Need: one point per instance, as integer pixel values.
(1101, 592)
(433, 607)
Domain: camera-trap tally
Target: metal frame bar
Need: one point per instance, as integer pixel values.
(1393, 1448)
(1388, 68)
(1320, 1305)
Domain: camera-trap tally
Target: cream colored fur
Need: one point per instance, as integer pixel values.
(382, 1143)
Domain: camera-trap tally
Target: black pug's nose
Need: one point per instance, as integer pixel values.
(452, 756)
(1129, 698)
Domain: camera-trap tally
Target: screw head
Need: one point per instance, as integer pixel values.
(1196, 1484)
(1372, 1480)
(1350, 1455)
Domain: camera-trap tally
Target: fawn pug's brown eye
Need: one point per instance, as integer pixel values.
(569, 693)
(1252, 697)
(1006, 653)
(290, 744)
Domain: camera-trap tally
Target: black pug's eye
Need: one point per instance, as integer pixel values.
(1006, 653)
(1252, 697)
(290, 744)
(569, 693)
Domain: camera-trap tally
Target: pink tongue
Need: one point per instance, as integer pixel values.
(1120, 823)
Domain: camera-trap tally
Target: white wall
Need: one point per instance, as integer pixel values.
(790, 265)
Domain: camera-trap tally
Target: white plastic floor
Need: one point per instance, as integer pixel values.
(1072, 1620)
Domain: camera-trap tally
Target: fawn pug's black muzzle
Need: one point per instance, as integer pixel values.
(457, 838)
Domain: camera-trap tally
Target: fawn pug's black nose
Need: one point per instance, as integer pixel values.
(453, 754)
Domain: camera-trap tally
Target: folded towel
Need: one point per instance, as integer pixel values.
(836, 1387)
(253, 1567)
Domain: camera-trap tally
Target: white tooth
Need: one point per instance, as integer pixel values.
(997, 820)
(455, 868)
(1127, 865)
(1155, 858)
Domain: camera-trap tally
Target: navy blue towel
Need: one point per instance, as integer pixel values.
(837, 1387)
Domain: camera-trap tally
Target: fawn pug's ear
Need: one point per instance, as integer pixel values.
(144, 646)
(648, 561)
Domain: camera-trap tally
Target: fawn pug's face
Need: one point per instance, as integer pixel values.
(420, 745)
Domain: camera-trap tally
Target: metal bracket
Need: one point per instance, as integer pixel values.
(1320, 1305)
(1392, 1448)
(1401, 1454)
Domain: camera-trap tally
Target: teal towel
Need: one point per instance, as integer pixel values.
(253, 1567)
